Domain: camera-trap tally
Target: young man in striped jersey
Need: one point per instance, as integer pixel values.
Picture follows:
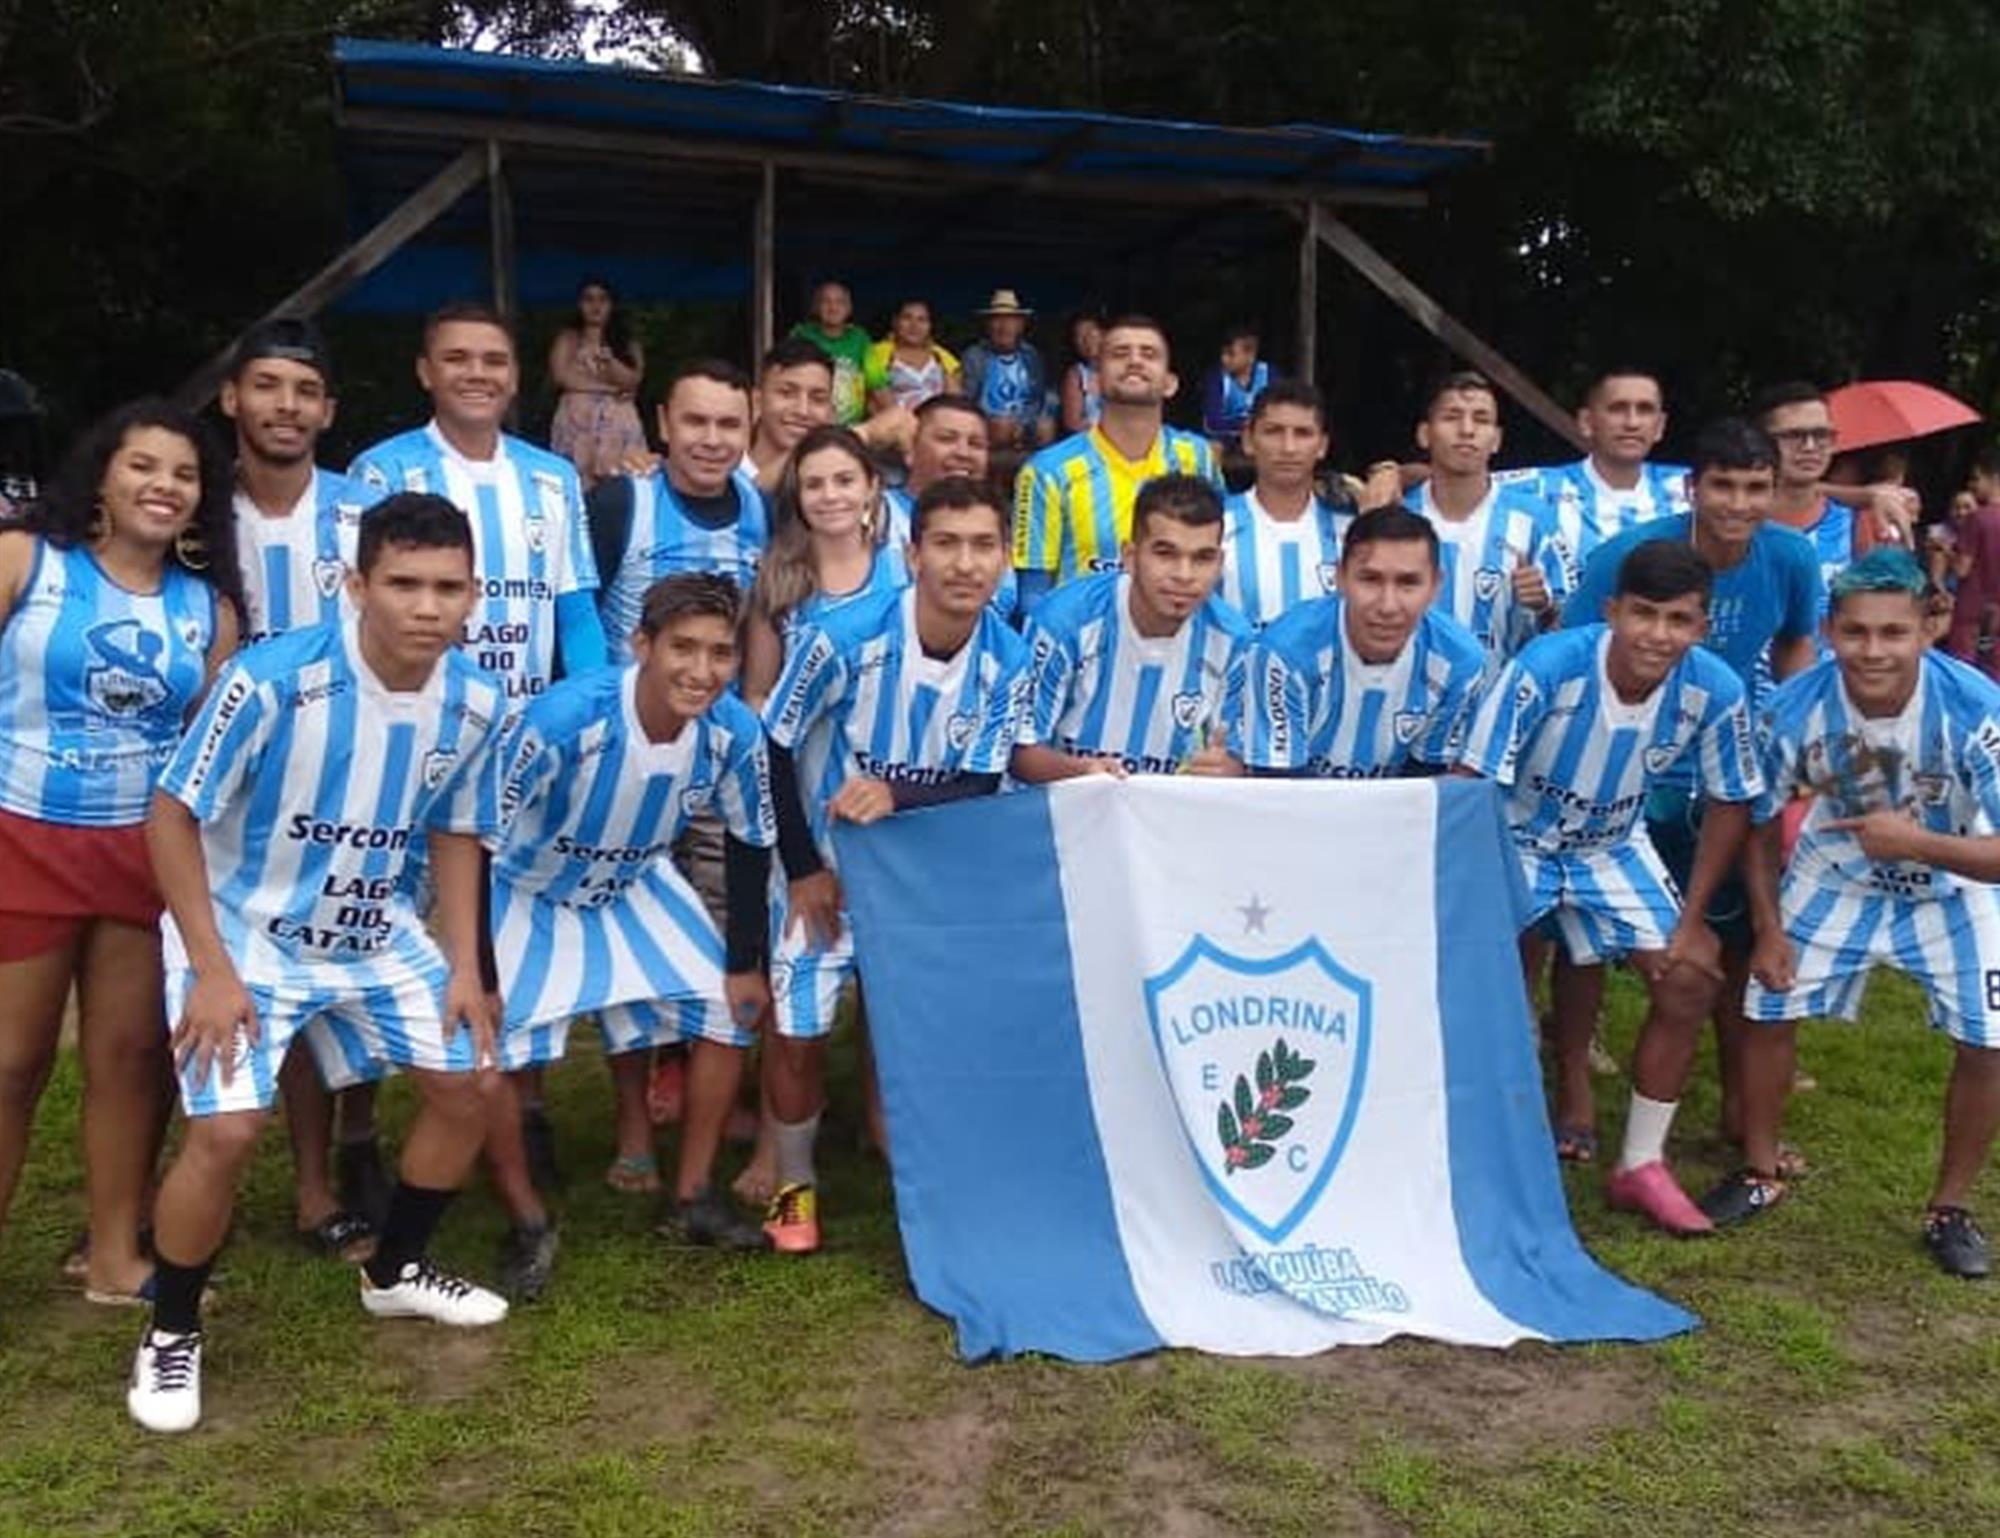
(1615, 485)
(280, 834)
(1371, 681)
(296, 525)
(1895, 865)
(591, 917)
(1073, 500)
(949, 439)
(1578, 728)
(1281, 541)
(537, 615)
(1506, 567)
(1130, 668)
(908, 698)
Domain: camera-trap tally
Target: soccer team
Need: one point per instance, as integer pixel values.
(495, 759)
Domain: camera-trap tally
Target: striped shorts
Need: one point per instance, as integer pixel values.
(1602, 904)
(1839, 932)
(806, 980)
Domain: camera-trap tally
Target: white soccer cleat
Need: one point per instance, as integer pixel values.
(424, 1292)
(165, 1393)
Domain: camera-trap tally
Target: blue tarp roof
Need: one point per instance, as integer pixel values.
(956, 198)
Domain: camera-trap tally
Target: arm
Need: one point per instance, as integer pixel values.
(17, 559)
(1771, 960)
(624, 376)
(569, 371)
(607, 511)
(459, 865)
(1890, 837)
(580, 633)
(221, 649)
(1794, 655)
(1724, 826)
(1039, 764)
(217, 1005)
(959, 787)
(763, 657)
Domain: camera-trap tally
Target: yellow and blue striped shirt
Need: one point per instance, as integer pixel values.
(1073, 500)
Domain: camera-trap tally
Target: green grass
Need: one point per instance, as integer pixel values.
(1839, 1386)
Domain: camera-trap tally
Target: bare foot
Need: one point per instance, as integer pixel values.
(759, 1180)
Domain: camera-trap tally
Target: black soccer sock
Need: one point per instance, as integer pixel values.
(177, 1295)
(414, 1214)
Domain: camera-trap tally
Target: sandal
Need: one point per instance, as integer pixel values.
(634, 1175)
(140, 1297)
(341, 1235)
(1576, 1145)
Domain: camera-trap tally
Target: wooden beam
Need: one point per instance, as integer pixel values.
(846, 166)
(500, 211)
(1433, 317)
(763, 268)
(405, 220)
(1309, 237)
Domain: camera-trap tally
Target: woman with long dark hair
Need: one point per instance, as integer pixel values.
(597, 364)
(120, 595)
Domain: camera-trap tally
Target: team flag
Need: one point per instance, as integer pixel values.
(1243, 1067)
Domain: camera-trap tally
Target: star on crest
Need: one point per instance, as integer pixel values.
(1254, 913)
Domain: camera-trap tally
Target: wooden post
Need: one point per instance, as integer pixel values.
(1432, 316)
(500, 221)
(763, 264)
(1308, 364)
(407, 219)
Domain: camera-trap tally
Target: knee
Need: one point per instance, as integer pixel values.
(1685, 996)
(23, 1073)
(224, 1143)
(466, 1097)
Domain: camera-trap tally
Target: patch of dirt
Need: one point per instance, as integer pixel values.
(938, 1465)
(441, 1366)
(647, 1402)
(1504, 1403)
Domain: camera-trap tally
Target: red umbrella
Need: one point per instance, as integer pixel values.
(1876, 411)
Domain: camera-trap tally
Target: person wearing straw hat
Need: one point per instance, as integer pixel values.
(1004, 375)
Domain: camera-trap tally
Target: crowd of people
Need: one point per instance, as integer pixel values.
(310, 777)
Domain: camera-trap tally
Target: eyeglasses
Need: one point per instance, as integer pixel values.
(1806, 437)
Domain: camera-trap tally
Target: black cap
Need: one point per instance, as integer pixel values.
(289, 337)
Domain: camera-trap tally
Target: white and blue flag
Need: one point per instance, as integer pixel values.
(1156, 1080)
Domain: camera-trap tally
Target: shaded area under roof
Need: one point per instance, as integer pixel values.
(652, 181)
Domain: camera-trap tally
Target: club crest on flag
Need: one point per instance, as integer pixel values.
(1267, 1057)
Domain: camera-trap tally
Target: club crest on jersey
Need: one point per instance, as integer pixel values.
(327, 576)
(1267, 1058)
(1660, 758)
(1408, 723)
(437, 766)
(960, 727)
(1486, 583)
(124, 676)
(1187, 709)
(1329, 576)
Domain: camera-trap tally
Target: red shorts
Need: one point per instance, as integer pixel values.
(58, 879)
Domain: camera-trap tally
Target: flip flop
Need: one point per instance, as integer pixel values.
(1576, 1145)
(341, 1235)
(634, 1175)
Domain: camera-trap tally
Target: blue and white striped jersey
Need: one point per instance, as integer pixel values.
(662, 539)
(1589, 509)
(1271, 565)
(1104, 690)
(1938, 762)
(295, 567)
(531, 544)
(1577, 761)
(312, 780)
(1832, 538)
(901, 508)
(95, 686)
(1310, 703)
(1479, 555)
(858, 696)
(588, 909)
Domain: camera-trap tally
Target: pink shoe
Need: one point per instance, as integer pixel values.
(1652, 1189)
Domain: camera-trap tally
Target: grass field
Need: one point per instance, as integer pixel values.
(1840, 1385)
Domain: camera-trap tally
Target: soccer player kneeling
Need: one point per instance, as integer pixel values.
(1131, 667)
(279, 834)
(1578, 728)
(1900, 745)
(590, 915)
(903, 699)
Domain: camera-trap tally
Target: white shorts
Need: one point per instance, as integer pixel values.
(806, 982)
(1604, 903)
(626, 1028)
(355, 1035)
(1949, 944)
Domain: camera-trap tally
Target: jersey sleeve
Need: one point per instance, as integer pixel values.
(374, 475)
(1554, 558)
(743, 796)
(1979, 763)
(469, 801)
(224, 746)
(1006, 713)
(1805, 590)
(813, 681)
(530, 764)
(1207, 466)
(1595, 584)
(1504, 722)
(1051, 669)
(1727, 753)
(576, 562)
(1037, 519)
(1273, 711)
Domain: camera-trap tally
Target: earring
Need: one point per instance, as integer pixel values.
(95, 531)
(191, 550)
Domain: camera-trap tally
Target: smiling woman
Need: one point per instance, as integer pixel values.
(119, 596)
